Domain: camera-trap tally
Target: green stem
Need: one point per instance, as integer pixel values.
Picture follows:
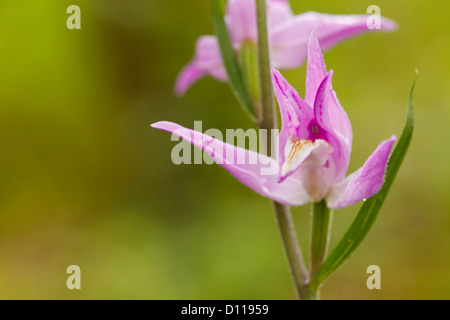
(321, 218)
(268, 119)
(293, 251)
(268, 122)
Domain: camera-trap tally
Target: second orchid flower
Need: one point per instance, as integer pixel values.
(288, 37)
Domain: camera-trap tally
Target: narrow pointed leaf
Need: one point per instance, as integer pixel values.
(369, 210)
(234, 72)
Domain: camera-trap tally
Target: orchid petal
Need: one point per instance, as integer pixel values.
(241, 18)
(317, 180)
(298, 152)
(207, 60)
(332, 29)
(289, 40)
(316, 72)
(365, 182)
(321, 102)
(241, 21)
(324, 128)
(296, 114)
(254, 174)
(278, 12)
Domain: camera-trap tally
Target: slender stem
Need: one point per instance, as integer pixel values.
(292, 250)
(321, 218)
(268, 121)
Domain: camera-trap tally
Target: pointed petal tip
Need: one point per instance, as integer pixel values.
(157, 125)
(388, 25)
(313, 40)
(385, 25)
(165, 125)
(328, 79)
(277, 80)
(275, 73)
(330, 74)
(326, 83)
(385, 147)
(388, 142)
(181, 84)
(365, 182)
(186, 78)
(313, 34)
(178, 92)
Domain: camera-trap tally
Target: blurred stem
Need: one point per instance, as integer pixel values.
(321, 217)
(268, 121)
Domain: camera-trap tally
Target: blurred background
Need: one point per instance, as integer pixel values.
(85, 180)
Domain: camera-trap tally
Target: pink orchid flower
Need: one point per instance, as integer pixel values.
(313, 147)
(288, 37)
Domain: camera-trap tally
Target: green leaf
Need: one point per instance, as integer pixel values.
(235, 77)
(369, 210)
(250, 72)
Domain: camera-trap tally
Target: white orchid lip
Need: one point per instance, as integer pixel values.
(297, 151)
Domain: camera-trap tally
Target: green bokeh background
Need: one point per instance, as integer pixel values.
(85, 180)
